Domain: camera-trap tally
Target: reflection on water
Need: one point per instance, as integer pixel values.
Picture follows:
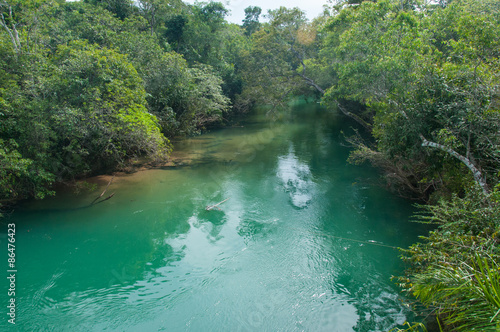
(304, 242)
(296, 178)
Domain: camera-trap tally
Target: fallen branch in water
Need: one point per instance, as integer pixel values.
(210, 207)
(102, 194)
(106, 198)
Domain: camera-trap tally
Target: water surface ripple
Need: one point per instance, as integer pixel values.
(304, 243)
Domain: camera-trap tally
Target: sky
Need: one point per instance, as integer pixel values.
(237, 7)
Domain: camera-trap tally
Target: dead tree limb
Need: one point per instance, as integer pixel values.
(13, 34)
(104, 191)
(215, 206)
(106, 198)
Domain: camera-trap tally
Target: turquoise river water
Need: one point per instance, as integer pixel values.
(305, 241)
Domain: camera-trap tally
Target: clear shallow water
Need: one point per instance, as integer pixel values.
(304, 242)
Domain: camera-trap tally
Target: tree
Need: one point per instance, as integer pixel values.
(384, 57)
(24, 22)
(276, 65)
(157, 11)
(86, 86)
(429, 77)
(452, 108)
(174, 30)
(83, 21)
(21, 177)
(208, 101)
(203, 36)
(213, 13)
(120, 8)
(150, 9)
(251, 21)
(454, 270)
(101, 110)
(268, 78)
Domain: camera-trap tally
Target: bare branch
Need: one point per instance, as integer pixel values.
(13, 34)
(476, 172)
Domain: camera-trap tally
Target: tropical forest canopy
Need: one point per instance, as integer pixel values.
(86, 87)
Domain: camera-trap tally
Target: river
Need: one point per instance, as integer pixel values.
(305, 241)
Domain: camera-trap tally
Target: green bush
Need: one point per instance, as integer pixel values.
(455, 271)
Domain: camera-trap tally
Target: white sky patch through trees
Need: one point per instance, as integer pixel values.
(312, 8)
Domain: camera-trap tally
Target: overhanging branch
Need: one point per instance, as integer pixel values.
(476, 172)
(311, 82)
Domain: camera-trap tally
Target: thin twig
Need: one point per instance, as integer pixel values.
(102, 194)
(210, 207)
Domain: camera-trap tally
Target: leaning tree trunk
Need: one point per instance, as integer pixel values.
(13, 34)
(476, 172)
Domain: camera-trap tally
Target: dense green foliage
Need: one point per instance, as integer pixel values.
(86, 86)
(455, 269)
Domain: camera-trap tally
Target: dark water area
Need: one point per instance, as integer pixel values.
(305, 242)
